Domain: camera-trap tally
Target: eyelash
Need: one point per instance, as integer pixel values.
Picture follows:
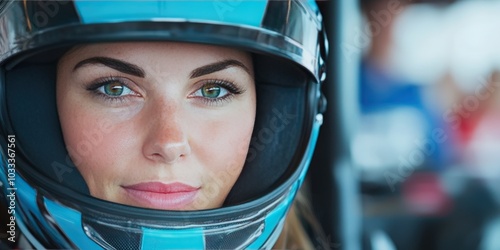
(94, 88)
(231, 88)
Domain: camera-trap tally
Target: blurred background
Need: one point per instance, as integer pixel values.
(414, 121)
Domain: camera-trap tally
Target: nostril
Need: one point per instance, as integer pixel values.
(156, 157)
(168, 152)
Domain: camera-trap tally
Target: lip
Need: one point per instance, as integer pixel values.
(171, 196)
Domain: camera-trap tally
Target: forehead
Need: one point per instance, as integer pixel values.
(165, 51)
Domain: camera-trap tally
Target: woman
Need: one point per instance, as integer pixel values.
(176, 115)
(196, 135)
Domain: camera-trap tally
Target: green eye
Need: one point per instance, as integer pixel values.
(113, 89)
(211, 91)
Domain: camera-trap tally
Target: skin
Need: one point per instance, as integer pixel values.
(160, 128)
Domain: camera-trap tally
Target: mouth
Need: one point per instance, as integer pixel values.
(172, 196)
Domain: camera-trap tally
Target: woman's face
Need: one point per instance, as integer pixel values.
(158, 125)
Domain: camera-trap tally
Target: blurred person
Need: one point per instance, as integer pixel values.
(392, 105)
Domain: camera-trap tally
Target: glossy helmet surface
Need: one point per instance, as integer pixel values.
(53, 207)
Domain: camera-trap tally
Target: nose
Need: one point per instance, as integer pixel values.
(166, 140)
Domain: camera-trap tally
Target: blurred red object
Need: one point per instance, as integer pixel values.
(423, 194)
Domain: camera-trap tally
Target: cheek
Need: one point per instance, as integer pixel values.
(94, 143)
(221, 151)
(228, 141)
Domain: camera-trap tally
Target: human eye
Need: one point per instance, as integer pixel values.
(216, 91)
(112, 89)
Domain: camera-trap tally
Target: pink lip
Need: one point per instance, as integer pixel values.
(173, 196)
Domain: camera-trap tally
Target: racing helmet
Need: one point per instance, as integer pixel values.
(52, 204)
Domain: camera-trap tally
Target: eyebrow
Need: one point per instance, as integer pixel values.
(119, 65)
(135, 70)
(218, 66)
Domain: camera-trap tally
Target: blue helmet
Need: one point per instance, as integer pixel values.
(47, 197)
